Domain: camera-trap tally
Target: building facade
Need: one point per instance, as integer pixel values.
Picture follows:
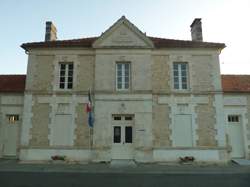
(153, 100)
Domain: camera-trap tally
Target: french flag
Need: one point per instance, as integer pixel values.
(89, 110)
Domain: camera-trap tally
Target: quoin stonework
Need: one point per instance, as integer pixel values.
(153, 100)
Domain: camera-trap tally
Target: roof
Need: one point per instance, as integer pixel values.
(158, 43)
(236, 83)
(12, 83)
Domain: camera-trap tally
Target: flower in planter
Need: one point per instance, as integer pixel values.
(58, 157)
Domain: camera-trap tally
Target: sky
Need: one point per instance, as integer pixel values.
(225, 21)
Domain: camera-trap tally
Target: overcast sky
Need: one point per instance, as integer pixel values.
(224, 21)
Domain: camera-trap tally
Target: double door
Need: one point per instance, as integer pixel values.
(122, 141)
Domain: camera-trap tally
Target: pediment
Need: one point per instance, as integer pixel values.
(123, 34)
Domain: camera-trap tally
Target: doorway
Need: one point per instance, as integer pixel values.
(122, 137)
(235, 133)
(11, 129)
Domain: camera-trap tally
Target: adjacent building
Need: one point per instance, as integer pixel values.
(153, 99)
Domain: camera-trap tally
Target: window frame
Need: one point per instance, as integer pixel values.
(16, 118)
(66, 76)
(233, 118)
(180, 76)
(123, 76)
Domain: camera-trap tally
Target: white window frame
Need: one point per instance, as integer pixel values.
(66, 76)
(123, 76)
(180, 75)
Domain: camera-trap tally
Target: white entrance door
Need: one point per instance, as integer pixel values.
(182, 131)
(122, 146)
(62, 130)
(236, 138)
(10, 136)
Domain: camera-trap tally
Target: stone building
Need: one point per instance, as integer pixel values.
(154, 99)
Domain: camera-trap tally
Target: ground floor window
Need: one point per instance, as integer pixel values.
(12, 118)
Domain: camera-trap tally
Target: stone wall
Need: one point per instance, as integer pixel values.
(85, 73)
(160, 74)
(206, 124)
(82, 131)
(42, 74)
(161, 122)
(40, 120)
(105, 70)
(201, 72)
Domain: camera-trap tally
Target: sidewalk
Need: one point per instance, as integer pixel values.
(60, 167)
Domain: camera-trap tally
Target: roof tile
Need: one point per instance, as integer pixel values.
(12, 83)
(158, 43)
(235, 83)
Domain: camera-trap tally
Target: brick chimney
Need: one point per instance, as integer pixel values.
(196, 30)
(50, 32)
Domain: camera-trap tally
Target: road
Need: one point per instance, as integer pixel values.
(122, 179)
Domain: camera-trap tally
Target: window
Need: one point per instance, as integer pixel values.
(128, 134)
(122, 76)
(128, 118)
(233, 118)
(66, 75)
(12, 118)
(180, 76)
(117, 118)
(117, 134)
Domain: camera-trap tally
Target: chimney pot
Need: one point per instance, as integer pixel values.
(50, 31)
(196, 30)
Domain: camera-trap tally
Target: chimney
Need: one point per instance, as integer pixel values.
(50, 32)
(196, 30)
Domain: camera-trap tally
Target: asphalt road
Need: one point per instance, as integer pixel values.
(75, 179)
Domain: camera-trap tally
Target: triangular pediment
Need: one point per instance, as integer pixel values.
(123, 34)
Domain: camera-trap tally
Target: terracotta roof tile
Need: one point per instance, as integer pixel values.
(158, 43)
(12, 83)
(235, 83)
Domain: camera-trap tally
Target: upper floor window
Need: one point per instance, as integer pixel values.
(180, 76)
(122, 76)
(66, 75)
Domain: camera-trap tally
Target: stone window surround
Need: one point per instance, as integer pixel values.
(56, 63)
(180, 75)
(66, 75)
(186, 58)
(116, 76)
